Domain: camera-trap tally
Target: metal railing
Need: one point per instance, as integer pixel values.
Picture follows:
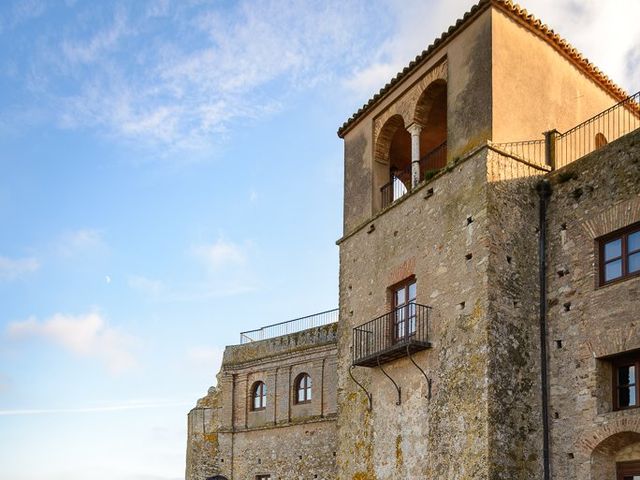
(392, 335)
(609, 125)
(532, 151)
(290, 326)
(392, 191)
(557, 149)
(400, 183)
(434, 160)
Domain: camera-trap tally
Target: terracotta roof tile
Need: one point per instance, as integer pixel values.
(515, 11)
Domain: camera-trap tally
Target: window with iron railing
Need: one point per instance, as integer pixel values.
(398, 333)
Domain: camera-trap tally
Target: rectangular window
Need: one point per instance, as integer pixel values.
(404, 305)
(620, 254)
(625, 381)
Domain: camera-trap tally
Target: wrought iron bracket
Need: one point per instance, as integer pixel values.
(399, 390)
(428, 395)
(369, 396)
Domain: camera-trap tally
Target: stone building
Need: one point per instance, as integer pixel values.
(489, 317)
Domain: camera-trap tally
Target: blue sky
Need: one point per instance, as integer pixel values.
(172, 176)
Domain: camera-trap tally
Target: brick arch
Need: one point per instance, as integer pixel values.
(609, 436)
(426, 100)
(383, 142)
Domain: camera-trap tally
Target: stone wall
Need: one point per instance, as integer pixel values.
(593, 196)
(286, 440)
(428, 234)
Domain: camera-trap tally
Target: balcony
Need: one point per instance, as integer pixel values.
(399, 333)
(400, 183)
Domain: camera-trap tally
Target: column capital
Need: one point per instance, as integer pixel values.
(414, 128)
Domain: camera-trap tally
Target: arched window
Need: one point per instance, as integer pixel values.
(303, 388)
(258, 396)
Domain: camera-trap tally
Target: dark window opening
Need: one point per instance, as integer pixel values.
(625, 381)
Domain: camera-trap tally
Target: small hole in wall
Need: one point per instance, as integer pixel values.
(395, 233)
(299, 457)
(372, 227)
(556, 415)
(567, 306)
(334, 454)
(508, 259)
(469, 256)
(558, 343)
(351, 313)
(222, 460)
(563, 226)
(570, 455)
(469, 220)
(315, 476)
(259, 461)
(560, 273)
(349, 287)
(461, 305)
(515, 303)
(429, 193)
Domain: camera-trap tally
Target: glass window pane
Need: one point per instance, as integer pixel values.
(633, 401)
(624, 397)
(634, 242)
(613, 249)
(634, 263)
(309, 393)
(612, 270)
(301, 395)
(400, 300)
(412, 292)
(308, 381)
(632, 374)
(626, 375)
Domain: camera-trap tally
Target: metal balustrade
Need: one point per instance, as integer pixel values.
(290, 326)
(398, 333)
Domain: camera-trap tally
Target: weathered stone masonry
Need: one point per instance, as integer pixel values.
(285, 440)
(467, 404)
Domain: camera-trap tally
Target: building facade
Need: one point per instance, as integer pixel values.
(489, 318)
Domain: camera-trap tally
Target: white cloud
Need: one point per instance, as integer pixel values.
(221, 253)
(594, 27)
(87, 335)
(13, 268)
(89, 50)
(80, 241)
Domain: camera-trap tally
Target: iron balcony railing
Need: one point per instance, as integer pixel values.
(557, 149)
(398, 333)
(392, 191)
(609, 125)
(532, 151)
(433, 161)
(400, 183)
(290, 326)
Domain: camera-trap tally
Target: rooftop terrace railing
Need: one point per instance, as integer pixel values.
(557, 149)
(609, 125)
(290, 326)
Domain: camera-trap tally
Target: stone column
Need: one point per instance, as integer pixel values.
(415, 129)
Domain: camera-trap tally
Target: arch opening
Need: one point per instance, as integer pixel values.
(393, 160)
(431, 114)
(617, 456)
